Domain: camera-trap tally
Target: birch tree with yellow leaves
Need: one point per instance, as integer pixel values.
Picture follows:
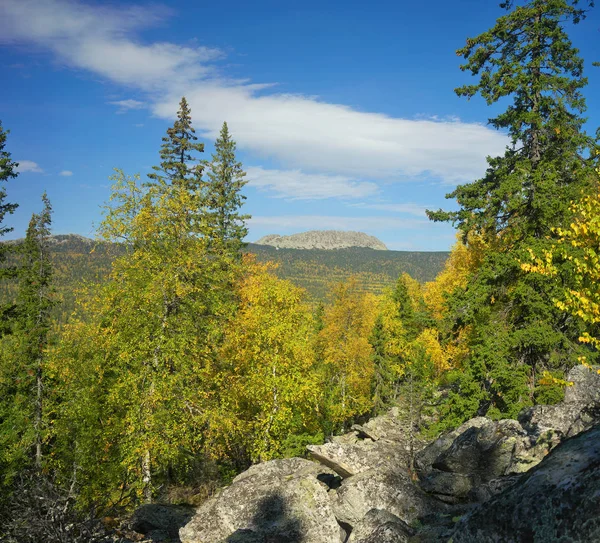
(347, 354)
(268, 377)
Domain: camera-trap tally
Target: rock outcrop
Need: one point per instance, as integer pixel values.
(160, 522)
(380, 526)
(558, 500)
(380, 489)
(281, 500)
(323, 239)
(536, 479)
(384, 443)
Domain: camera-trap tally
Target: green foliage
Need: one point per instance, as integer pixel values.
(514, 328)
(224, 197)
(23, 379)
(7, 171)
(294, 445)
(550, 391)
(149, 341)
(316, 269)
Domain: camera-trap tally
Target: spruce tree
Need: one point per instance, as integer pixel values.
(176, 152)
(22, 373)
(515, 329)
(224, 197)
(8, 170)
(34, 303)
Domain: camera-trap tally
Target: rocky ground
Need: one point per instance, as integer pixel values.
(535, 479)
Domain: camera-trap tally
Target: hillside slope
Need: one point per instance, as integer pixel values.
(316, 269)
(78, 259)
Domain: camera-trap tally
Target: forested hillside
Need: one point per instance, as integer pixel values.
(316, 269)
(162, 361)
(77, 260)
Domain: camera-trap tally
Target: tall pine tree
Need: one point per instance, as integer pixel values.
(8, 170)
(176, 152)
(224, 197)
(515, 329)
(22, 372)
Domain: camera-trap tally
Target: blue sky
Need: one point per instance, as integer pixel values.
(344, 112)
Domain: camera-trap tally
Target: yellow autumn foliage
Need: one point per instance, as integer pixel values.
(580, 244)
(267, 375)
(463, 260)
(346, 351)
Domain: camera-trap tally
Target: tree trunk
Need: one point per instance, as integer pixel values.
(38, 416)
(147, 477)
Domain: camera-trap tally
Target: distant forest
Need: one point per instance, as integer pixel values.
(77, 260)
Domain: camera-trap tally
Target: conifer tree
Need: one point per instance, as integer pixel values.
(224, 197)
(23, 379)
(8, 170)
(516, 331)
(153, 324)
(176, 152)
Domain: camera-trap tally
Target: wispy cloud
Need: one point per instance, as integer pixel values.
(28, 166)
(296, 185)
(406, 208)
(302, 133)
(102, 39)
(126, 105)
(66, 173)
(281, 223)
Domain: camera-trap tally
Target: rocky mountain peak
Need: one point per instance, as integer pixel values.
(323, 239)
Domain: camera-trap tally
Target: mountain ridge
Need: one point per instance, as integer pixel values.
(323, 239)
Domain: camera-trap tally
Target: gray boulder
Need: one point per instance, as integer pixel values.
(586, 385)
(380, 526)
(348, 459)
(380, 489)
(385, 443)
(558, 500)
(561, 420)
(160, 522)
(481, 453)
(427, 456)
(281, 500)
(390, 426)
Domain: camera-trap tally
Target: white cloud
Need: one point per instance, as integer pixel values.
(300, 132)
(66, 173)
(101, 39)
(296, 185)
(28, 166)
(126, 105)
(407, 208)
(305, 133)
